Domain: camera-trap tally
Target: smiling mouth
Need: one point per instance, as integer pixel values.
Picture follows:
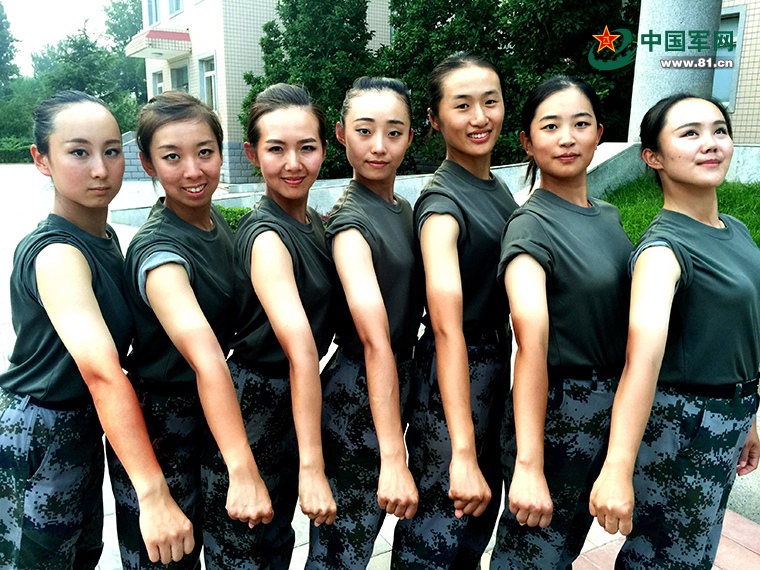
(294, 180)
(195, 189)
(710, 163)
(479, 136)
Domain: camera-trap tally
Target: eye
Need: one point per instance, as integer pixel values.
(721, 131)
(79, 152)
(172, 156)
(308, 148)
(205, 152)
(395, 134)
(274, 148)
(492, 102)
(463, 106)
(690, 133)
(113, 152)
(549, 127)
(363, 131)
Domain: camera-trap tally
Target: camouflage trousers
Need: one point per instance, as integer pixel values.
(684, 472)
(434, 538)
(176, 427)
(352, 465)
(51, 484)
(575, 441)
(268, 416)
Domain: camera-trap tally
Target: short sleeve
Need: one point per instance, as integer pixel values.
(156, 259)
(345, 219)
(247, 235)
(682, 256)
(434, 203)
(525, 234)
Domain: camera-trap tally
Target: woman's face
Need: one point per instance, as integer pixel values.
(470, 113)
(563, 137)
(289, 153)
(376, 135)
(85, 158)
(695, 147)
(186, 159)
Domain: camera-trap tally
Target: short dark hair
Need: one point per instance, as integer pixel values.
(654, 121)
(546, 89)
(171, 106)
(455, 61)
(46, 112)
(282, 96)
(378, 84)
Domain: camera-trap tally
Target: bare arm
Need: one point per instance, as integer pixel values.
(440, 257)
(396, 493)
(652, 290)
(64, 282)
(750, 452)
(275, 285)
(172, 299)
(525, 281)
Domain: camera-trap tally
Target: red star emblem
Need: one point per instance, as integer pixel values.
(606, 40)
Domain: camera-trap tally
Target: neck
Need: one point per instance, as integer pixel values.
(383, 188)
(573, 190)
(697, 203)
(91, 220)
(199, 217)
(479, 166)
(296, 209)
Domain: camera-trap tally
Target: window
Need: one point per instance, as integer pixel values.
(152, 12)
(158, 83)
(175, 6)
(179, 79)
(726, 79)
(207, 80)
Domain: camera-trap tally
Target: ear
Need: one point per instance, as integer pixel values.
(433, 120)
(148, 166)
(324, 150)
(411, 138)
(250, 152)
(600, 130)
(40, 160)
(340, 133)
(526, 144)
(651, 158)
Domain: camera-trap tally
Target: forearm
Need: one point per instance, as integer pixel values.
(383, 389)
(530, 394)
(306, 396)
(452, 367)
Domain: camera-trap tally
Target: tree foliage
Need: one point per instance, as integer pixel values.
(123, 23)
(322, 46)
(8, 69)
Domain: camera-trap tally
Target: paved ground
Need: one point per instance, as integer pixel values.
(26, 198)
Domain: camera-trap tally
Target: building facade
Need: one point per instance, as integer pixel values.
(205, 47)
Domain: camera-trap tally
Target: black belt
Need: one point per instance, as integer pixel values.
(267, 369)
(64, 406)
(725, 391)
(558, 373)
(165, 388)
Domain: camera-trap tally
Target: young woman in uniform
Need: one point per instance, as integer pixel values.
(181, 291)
(366, 383)
(683, 423)
(284, 281)
(564, 264)
(464, 354)
(73, 328)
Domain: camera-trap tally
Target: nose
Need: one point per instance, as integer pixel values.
(192, 167)
(99, 168)
(479, 117)
(292, 161)
(709, 144)
(378, 144)
(566, 137)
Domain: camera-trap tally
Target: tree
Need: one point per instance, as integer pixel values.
(8, 69)
(322, 46)
(123, 23)
(528, 40)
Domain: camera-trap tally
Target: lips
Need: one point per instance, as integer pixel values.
(377, 163)
(713, 163)
(567, 157)
(480, 136)
(195, 189)
(293, 180)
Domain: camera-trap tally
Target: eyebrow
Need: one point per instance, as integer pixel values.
(471, 95)
(371, 120)
(85, 141)
(169, 146)
(697, 124)
(278, 141)
(578, 114)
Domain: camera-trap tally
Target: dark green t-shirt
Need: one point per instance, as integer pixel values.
(40, 365)
(714, 329)
(584, 253)
(255, 342)
(389, 231)
(481, 208)
(207, 258)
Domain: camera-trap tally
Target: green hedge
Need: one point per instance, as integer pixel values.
(233, 215)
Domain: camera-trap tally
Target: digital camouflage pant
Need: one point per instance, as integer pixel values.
(684, 472)
(575, 440)
(176, 427)
(434, 538)
(268, 417)
(51, 484)
(352, 465)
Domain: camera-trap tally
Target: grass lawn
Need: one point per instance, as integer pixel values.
(640, 199)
